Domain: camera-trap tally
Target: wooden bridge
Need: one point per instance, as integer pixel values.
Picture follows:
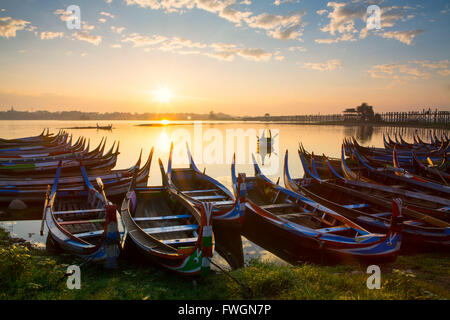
(420, 117)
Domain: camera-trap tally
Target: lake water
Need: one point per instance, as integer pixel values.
(212, 145)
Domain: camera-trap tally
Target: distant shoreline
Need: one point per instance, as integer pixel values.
(340, 123)
(217, 121)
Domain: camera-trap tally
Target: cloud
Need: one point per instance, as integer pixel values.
(278, 26)
(139, 40)
(254, 54)
(102, 20)
(280, 2)
(344, 18)
(63, 14)
(116, 46)
(329, 65)
(221, 51)
(107, 14)
(278, 56)
(297, 48)
(412, 70)
(281, 27)
(117, 30)
(48, 35)
(85, 36)
(402, 36)
(9, 26)
(86, 26)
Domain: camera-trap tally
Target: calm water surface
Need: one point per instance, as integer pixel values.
(212, 145)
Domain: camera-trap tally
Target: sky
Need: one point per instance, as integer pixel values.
(240, 57)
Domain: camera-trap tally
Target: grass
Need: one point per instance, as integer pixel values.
(34, 274)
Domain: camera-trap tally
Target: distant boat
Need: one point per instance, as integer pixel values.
(109, 127)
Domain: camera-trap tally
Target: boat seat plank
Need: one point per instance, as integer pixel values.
(188, 227)
(180, 216)
(278, 205)
(200, 191)
(78, 211)
(180, 241)
(333, 229)
(383, 214)
(294, 214)
(356, 206)
(222, 203)
(81, 221)
(208, 197)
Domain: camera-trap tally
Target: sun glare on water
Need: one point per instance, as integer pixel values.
(163, 95)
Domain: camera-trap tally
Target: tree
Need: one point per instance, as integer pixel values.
(366, 112)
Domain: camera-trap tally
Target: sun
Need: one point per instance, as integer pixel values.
(163, 95)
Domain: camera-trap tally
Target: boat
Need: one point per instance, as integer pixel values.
(429, 204)
(107, 161)
(107, 127)
(388, 176)
(372, 211)
(165, 229)
(83, 222)
(425, 174)
(297, 228)
(198, 188)
(115, 183)
(41, 138)
(61, 141)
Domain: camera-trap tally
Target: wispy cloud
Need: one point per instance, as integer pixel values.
(329, 65)
(412, 70)
(48, 35)
(402, 36)
(86, 36)
(281, 27)
(117, 29)
(9, 26)
(345, 16)
(107, 14)
(221, 51)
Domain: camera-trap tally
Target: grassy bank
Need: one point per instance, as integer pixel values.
(27, 273)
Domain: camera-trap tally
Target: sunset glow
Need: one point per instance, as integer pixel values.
(163, 95)
(236, 57)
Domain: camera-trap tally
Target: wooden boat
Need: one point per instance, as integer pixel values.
(108, 161)
(164, 228)
(42, 180)
(108, 127)
(298, 228)
(385, 155)
(419, 201)
(388, 177)
(427, 174)
(198, 188)
(115, 183)
(371, 210)
(60, 142)
(77, 151)
(83, 223)
(42, 138)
